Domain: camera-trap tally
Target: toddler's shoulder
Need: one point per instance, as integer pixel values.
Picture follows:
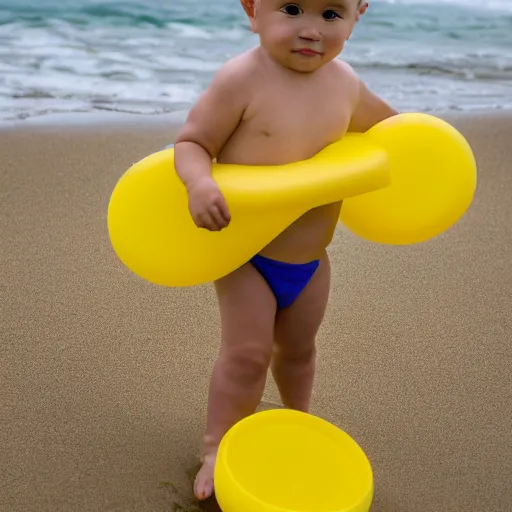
(236, 72)
(346, 71)
(348, 81)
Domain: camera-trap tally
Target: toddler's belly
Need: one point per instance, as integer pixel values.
(306, 239)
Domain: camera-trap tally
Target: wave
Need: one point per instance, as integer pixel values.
(153, 56)
(470, 68)
(483, 5)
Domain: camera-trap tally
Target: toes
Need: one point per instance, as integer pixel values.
(205, 491)
(203, 485)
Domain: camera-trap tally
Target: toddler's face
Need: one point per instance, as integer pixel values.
(306, 34)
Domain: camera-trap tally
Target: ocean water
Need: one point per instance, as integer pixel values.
(156, 56)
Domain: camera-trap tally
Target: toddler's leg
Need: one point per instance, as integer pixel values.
(247, 310)
(293, 364)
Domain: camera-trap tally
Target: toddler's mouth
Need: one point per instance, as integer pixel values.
(307, 52)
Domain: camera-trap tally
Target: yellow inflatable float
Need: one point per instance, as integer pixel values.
(406, 180)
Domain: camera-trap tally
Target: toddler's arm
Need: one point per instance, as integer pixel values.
(209, 125)
(370, 109)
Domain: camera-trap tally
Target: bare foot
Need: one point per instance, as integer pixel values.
(203, 485)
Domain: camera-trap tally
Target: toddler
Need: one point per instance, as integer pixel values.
(281, 102)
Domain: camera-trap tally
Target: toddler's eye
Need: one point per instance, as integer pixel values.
(292, 10)
(330, 15)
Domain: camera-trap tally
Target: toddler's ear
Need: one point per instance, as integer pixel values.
(248, 6)
(361, 10)
(249, 9)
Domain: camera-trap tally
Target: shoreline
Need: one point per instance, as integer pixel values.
(119, 120)
(87, 120)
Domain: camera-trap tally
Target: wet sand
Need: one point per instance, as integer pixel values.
(104, 376)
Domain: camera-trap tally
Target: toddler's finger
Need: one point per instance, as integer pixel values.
(218, 217)
(225, 213)
(223, 210)
(205, 221)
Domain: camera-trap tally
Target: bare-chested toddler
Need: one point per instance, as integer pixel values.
(281, 102)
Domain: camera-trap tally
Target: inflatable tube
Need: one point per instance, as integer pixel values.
(404, 181)
(153, 234)
(433, 181)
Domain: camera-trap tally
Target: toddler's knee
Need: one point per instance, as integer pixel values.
(246, 366)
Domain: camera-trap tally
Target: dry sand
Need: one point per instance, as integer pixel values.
(104, 376)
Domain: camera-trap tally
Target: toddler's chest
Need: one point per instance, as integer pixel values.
(298, 116)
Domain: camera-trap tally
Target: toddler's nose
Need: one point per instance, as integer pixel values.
(310, 34)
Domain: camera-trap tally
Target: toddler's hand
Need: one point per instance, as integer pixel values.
(207, 205)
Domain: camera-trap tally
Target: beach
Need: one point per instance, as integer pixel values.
(104, 376)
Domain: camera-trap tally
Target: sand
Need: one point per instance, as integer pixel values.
(104, 376)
